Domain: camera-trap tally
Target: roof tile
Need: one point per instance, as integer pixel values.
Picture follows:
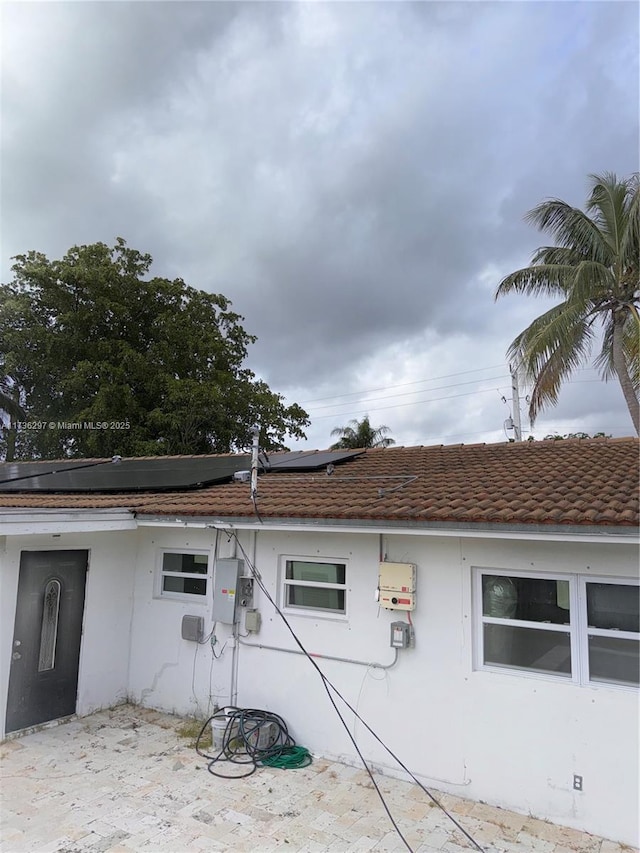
(571, 482)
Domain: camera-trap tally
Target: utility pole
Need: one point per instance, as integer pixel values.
(515, 400)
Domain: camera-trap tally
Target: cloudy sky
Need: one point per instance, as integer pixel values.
(353, 176)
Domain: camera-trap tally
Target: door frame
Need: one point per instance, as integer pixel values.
(10, 567)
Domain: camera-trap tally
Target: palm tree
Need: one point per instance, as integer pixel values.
(594, 268)
(361, 434)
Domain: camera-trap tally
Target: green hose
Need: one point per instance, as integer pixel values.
(289, 758)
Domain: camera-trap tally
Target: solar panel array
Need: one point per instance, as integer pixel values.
(127, 475)
(159, 474)
(301, 460)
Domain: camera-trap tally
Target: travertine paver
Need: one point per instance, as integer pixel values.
(122, 781)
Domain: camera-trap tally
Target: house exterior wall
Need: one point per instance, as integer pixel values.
(104, 650)
(167, 672)
(507, 738)
(510, 739)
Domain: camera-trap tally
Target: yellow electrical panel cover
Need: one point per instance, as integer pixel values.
(397, 577)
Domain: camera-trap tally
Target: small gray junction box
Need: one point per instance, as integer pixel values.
(192, 628)
(252, 622)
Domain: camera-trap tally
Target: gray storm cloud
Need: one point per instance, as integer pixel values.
(349, 174)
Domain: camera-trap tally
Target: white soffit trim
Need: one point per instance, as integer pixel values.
(572, 533)
(21, 522)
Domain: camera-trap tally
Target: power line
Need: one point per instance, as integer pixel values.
(414, 403)
(408, 393)
(368, 410)
(419, 381)
(402, 385)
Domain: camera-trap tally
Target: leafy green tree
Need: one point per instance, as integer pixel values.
(361, 434)
(90, 339)
(557, 437)
(594, 269)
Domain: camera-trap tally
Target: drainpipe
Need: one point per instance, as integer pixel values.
(236, 640)
(234, 643)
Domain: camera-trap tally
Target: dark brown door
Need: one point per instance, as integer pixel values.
(43, 681)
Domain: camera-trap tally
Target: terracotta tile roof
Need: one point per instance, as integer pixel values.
(570, 482)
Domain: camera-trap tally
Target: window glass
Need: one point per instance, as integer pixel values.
(187, 563)
(315, 585)
(527, 648)
(614, 660)
(315, 572)
(309, 596)
(527, 599)
(189, 586)
(49, 627)
(613, 606)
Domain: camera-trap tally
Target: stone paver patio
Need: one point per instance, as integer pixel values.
(122, 780)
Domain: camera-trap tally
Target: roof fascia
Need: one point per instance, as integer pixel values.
(21, 522)
(546, 533)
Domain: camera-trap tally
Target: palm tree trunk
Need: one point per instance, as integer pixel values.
(620, 367)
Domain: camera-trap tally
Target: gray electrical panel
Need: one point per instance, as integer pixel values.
(401, 635)
(192, 628)
(226, 577)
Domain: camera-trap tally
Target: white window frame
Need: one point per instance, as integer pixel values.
(481, 620)
(316, 612)
(577, 627)
(160, 592)
(587, 632)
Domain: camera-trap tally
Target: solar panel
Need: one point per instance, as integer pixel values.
(160, 474)
(20, 470)
(128, 475)
(309, 460)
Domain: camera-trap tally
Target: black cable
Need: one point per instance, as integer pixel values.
(53, 470)
(254, 501)
(245, 730)
(328, 684)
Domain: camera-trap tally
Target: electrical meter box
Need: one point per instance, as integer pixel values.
(245, 592)
(226, 576)
(397, 586)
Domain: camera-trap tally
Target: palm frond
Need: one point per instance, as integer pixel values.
(630, 241)
(361, 434)
(541, 280)
(550, 349)
(631, 346)
(607, 204)
(564, 255)
(592, 282)
(571, 228)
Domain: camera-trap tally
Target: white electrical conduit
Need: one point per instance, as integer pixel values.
(371, 664)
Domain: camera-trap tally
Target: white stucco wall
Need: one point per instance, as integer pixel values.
(167, 672)
(104, 650)
(508, 739)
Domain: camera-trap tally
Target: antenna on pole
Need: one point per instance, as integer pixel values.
(255, 450)
(515, 399)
